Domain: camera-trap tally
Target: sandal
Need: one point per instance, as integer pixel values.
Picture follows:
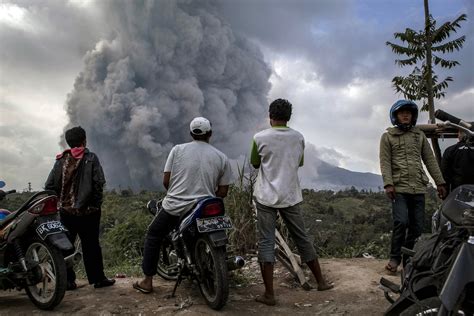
(392, 266)
(137, 286)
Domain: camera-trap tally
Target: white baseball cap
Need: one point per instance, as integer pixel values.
(200, 126)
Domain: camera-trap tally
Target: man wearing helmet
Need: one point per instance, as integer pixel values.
(403, 149)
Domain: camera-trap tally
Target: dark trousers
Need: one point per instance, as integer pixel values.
(162, 225)
(408, 212)
(87, 227)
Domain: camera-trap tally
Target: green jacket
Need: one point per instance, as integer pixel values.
(401, 154)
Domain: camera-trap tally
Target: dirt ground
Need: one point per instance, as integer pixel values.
(356, 292)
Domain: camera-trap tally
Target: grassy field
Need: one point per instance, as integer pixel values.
(344, 224)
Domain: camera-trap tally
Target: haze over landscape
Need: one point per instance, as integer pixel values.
(134, 74)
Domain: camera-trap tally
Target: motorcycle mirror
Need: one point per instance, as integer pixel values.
(466, 196)
(2, 184)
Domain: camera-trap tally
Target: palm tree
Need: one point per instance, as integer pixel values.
(424, 49)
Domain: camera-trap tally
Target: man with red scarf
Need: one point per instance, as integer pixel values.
(78, 180)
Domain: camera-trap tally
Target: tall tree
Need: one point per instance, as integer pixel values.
(424, 49)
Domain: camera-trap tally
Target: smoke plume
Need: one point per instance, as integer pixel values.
(165, 63)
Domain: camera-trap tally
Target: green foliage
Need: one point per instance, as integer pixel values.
(344, 224)
(415, 47)
(124, 223)
(15, 200)
(238, 205)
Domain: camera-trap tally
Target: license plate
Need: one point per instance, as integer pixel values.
(50, 228)
(205, 225)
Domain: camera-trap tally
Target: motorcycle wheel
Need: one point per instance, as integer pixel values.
(427, 306)
(167, 261)
(212, 268)
(51, 275)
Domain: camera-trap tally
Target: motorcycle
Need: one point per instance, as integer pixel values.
(196, 250)
(438, 277)
(32, 242)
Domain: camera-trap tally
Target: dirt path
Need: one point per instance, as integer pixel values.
(355, 293)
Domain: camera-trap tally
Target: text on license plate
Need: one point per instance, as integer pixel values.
(213, 223)
(49, 228)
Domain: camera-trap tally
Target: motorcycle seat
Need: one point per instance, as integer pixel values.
(184, 215)
(25, 206)
(185, 218)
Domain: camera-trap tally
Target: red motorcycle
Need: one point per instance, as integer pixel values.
(32, 242)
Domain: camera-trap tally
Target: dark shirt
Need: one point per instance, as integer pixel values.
(458, 164)
(84, 179)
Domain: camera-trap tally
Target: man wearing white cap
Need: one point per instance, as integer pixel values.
(192, 171)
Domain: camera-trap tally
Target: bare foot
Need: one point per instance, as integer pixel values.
(325, 286)
(270, 301)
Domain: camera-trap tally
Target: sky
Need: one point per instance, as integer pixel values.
(328, 58)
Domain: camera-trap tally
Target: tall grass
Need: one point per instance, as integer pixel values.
(343, 224)
(238, 205)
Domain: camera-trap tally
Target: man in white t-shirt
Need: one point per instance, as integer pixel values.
(192, 171)
(278, 153)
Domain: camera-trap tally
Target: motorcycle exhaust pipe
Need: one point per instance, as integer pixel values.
(73, 259)
(235, 263)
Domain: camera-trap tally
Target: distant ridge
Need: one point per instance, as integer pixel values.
(325, 176)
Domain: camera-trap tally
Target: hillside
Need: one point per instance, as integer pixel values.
(350, 225)
(325, 176)
(344, 223)
(342, 178)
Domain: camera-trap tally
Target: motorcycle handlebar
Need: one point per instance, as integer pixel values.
(444, 116)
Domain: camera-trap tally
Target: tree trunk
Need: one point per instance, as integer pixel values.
(429, 80)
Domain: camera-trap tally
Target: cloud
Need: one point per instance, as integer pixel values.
(42, 47)
(168, 62)
(342, 40)
(27, 152)
(327, 57)
(337, 45)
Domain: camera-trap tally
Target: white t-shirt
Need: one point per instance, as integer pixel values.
(279, 150)
(197, 168)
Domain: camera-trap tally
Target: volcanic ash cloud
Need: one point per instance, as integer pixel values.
(166, 62)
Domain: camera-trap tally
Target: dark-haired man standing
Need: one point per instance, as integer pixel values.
(458, 162)
(78, 180)
(278, 153)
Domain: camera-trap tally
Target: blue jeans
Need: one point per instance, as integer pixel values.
(408, 212)
(266, 223)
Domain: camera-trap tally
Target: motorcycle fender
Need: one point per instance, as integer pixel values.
(20, 225)
(218, 238)
(60, 241)
(460, 275)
